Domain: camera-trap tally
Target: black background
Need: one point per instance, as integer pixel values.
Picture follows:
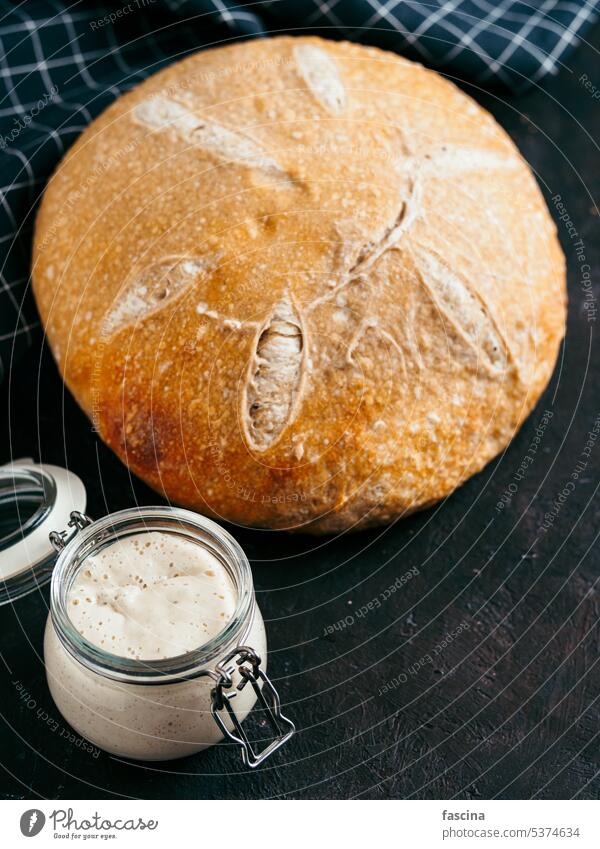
(508, 708)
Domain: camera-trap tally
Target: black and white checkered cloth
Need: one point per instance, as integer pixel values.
(62, 63)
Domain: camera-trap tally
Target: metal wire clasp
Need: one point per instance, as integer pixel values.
(248, 663)
(77, 521)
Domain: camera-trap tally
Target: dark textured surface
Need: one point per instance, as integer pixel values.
(508, 708)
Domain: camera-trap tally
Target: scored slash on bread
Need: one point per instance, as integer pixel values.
(159, 113)
(272, 388)
(320, 73)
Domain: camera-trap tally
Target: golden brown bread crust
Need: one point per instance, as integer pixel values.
(300, 284)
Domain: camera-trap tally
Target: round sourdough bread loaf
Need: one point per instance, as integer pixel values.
(300, 284)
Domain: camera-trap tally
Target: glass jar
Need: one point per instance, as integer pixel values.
(151, 709)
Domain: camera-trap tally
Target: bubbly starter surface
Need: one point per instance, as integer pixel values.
(150, 596)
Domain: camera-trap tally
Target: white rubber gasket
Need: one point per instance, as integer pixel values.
(33, 548)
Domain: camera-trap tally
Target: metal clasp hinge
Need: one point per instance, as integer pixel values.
(77, 521)
(266, 695)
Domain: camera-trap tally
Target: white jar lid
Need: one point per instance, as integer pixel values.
(39, 499)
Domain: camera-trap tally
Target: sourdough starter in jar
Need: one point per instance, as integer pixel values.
(146, 597)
